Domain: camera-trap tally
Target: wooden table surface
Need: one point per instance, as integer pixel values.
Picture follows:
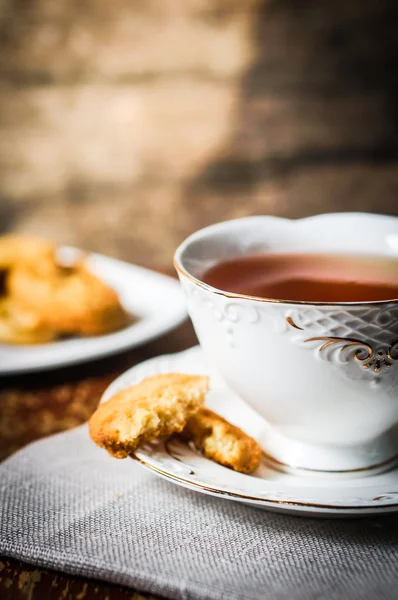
(39, 404)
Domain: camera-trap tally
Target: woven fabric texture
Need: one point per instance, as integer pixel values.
(66, 505)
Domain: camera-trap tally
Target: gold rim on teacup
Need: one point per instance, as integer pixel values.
(180, 269)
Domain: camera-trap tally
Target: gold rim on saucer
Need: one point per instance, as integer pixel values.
(224, 493)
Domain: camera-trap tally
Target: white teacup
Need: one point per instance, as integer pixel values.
(324, 377)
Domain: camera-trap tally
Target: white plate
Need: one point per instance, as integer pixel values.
(270, 487)
(155, 299)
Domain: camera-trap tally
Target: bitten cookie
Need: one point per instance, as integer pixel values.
(159, 405)
(222, 442)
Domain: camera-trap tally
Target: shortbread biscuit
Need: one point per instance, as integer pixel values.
(16, 249)
(157, 406)
(70, 300)
(222, 442)
(21, 326)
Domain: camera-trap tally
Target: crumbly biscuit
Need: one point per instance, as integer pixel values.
(157, 406)
(70, 300)
(222, 442)
(20, 326)
(19, 248)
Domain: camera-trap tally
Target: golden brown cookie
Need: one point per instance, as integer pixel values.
(222, 442)
(70, 300)
(157, 406)
(21, 326)
(16, 249)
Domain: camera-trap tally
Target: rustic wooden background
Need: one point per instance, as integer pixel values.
(127, 124)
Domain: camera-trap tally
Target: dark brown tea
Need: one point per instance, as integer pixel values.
(308, 277)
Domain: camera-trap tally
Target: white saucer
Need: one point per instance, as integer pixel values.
(270, 487)
(155, 299)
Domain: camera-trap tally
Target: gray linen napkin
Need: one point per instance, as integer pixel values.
(66, 505)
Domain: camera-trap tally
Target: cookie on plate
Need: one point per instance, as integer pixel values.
(21, 326)
(157, 406)
(16, 249)
(70, 300)
(222, 442)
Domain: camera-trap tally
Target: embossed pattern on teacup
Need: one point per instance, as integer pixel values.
(366, 335)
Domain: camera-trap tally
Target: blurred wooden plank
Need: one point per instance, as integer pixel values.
(124, 126)
(19, 581)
